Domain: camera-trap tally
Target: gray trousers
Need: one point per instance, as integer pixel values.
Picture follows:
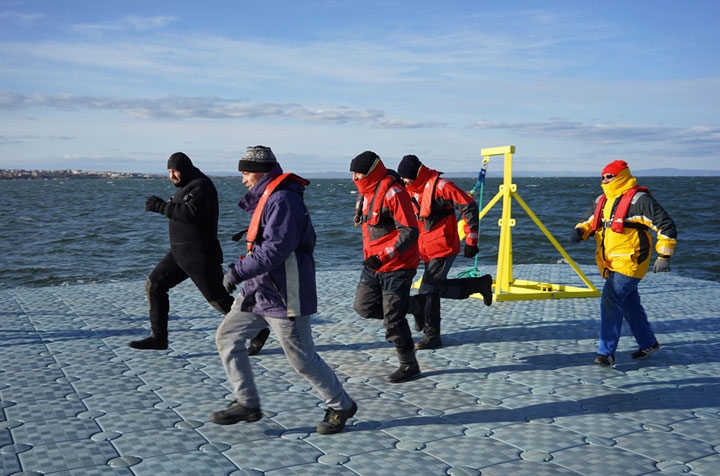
(295, 337)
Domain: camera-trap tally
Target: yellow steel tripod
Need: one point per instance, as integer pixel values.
(506, 287)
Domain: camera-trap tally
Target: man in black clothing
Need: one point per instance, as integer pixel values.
(195, 251)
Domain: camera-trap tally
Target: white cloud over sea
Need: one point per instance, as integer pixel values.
(571, 85)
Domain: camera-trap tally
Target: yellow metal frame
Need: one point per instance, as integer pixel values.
(505, 286)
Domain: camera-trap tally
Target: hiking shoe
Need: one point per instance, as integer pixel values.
(234, 413)
(428, 342)
(404, 373)
(605, 360)
(257, 342)
(644, 353)
(334, 420)
(153, 341)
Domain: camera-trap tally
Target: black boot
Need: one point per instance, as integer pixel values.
(428, 342)
(153, 341)
(485, 288)
(408, 370)
(257, 342)
(416, 307)
(463, 288)
(234, 413)
(431, 339)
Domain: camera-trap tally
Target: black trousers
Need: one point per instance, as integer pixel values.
(385, 296)
(432, 287)
(204, 271)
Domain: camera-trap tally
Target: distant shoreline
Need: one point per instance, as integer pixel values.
(21, 174)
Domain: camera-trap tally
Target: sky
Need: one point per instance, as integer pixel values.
(573, 85)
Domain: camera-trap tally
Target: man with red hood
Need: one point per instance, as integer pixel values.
(390, 248)
(437, 201)
(621, 219)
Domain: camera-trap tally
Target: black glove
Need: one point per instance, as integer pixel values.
(576, 235)
(230, 287)
(238, 236)
(231, 279)
(662, 265)
(470, 250)
(373, 263)
(155, 204)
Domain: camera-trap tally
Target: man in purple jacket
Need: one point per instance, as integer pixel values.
(278, 289)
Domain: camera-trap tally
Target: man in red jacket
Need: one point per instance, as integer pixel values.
(436, 201)
(391, 255)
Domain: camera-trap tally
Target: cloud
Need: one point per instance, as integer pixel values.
(601, 133)
(364, 57)
(27, 139)
(610, 134)
(658, 141)
(130, 23)
(21, 18)
(175, 107)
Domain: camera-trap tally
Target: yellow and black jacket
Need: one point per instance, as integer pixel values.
(626, 247)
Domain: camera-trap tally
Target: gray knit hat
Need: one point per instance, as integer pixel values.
(257, 159)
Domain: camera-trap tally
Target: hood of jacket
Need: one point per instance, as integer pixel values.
(369, 183)
(622, 182)
(424, 176)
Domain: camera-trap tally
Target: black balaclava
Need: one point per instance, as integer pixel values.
(180, 161)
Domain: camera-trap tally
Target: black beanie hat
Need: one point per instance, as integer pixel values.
(364, 162)
(409, 167)
(257, 159)
(179, 161)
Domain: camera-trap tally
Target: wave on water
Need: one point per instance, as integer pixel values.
(97, 230)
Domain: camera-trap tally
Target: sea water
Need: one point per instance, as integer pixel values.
(75, 231)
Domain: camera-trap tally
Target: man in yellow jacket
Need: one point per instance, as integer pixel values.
(621, 219)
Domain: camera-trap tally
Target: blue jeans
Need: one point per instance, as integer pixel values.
(620, 299)
(295, 337)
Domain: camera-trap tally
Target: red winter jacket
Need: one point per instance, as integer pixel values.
(390, 229)
(437, 200)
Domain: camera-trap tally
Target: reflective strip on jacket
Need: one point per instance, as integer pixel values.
(629, 252)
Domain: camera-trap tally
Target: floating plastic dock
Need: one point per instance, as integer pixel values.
(513, 391)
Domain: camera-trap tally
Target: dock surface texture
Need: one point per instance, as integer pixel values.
(513, 390)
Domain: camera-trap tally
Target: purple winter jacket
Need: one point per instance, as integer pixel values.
(279, 275)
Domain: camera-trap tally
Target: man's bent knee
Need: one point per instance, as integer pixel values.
(366, 303)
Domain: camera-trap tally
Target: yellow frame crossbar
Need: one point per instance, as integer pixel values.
(505, 286)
